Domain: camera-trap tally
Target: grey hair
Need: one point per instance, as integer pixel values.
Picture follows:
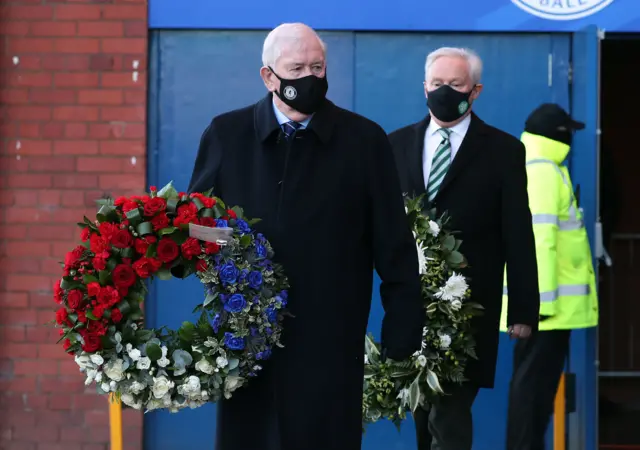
(284, 34)
(472, 58)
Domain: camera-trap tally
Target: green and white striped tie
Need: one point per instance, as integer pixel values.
(440, 164)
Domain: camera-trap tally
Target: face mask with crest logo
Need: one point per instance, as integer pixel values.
(304, 94)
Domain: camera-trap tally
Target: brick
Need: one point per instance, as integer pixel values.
(29, 79)
(22, 249)
(125, 12)
(75, 113)
(41, 433)
(90, 402)
(14, 28)
(18, 384)
(12, 232)
(128, 148)
(19, 317)
(138, 62)
(40, 334)
(119, 181)
(26, 197)
(100, 97)
(54, 62)
(50, 232)
(21, 266)
(118, 79)
(25, 130)
(78, 12)
(52, 96)
(19, 282)
(125, 45)
(102, 62)
(75, 181)
(31, 366)
(15, 350)
(76, 45)
(22, 418)
(51, 163)
(78, 62)
(75, 147)
(42, 300)
(24, 12)
(100, 164)
(135, 97)
(15, 334)
(75, 130)
(13, 300)
(27, 113)
(52, 351)
(123, 113)
(29, 45)
(75, 79)
(101, 28)
(53, 29)
(29, 181)
(29, 147)
(14, 96)
(136, 28)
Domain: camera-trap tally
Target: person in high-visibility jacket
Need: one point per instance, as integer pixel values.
(568, 298)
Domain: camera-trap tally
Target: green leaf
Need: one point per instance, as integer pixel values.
(209, 298)
(186, 331)
(166, 231)
(219, 210)
(164, 274)
(414, 394)
(154, 352)
(245, 241)
(239, 212)
(455, 258)
(433, 382)
(449, 243)
(104, 277)
(431, 308)
(168, 191)
(144, 335)
(89, 279)
(151, 250)
(233, 363)
(91, 316)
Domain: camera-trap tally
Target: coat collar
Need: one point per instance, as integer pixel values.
(468, 150)
(266, 123)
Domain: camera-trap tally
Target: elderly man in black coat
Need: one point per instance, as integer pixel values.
(477, 174)
(324, 182)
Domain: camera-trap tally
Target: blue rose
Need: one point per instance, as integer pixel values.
(235, 303)
(269, 331)
(264, 355)
(253, 331)
(271, 314)
(232, 342)
(282, 298)
(229, 273)
(256, 299)
(221, 223)
(243, 275)
(261, 251)
(217, 322)
(255, 279)
(243, 226)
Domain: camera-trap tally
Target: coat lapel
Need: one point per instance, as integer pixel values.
(414, 158)
(468, 150)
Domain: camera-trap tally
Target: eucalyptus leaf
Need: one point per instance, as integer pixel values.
(164, 274)
(233, 363)
(154, 352)
(455, 258)
(449, 243)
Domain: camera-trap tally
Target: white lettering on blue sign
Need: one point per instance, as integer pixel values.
(562, 9)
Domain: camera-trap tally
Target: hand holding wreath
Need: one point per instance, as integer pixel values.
(162, 235)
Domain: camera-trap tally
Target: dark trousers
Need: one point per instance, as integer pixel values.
(537, 367)
(446, 424)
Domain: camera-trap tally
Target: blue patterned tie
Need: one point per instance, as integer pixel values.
(290, 128)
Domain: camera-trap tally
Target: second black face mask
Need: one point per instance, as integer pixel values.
(304, 94)
(447, 104)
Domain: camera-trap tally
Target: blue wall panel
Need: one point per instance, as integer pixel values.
(196, 75)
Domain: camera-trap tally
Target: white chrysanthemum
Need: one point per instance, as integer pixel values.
(422, 259)
(445, 341)
(434, 228)
(454, 289)
(404, 396)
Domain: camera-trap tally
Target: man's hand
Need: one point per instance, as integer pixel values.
(518, 331)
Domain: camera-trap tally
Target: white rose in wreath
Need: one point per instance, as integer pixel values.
(114, 369)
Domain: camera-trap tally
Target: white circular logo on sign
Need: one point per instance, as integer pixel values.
(290, 92)
(562, 9)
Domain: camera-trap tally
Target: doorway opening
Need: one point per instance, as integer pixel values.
(619, 284)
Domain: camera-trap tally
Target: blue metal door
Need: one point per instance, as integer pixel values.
(198, 74)
(584, 166)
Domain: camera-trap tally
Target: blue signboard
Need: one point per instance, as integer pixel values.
(399, 15)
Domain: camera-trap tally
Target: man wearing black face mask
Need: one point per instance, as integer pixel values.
(475, 173)
(324, 183)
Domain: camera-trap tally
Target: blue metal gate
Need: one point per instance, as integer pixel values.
(198, 74)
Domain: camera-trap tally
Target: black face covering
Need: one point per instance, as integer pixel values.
(304, 94)
(447, 104)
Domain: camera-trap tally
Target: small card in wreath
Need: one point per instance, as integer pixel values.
(159, 236)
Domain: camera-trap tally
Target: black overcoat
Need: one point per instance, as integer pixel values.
(331, 205)
(485, 193)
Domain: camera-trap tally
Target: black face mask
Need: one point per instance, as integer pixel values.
(304, 94)
(447, 104)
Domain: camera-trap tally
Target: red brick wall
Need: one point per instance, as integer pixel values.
(72, 128)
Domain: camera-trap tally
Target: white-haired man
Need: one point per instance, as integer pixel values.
(324, 183)
(475, 173)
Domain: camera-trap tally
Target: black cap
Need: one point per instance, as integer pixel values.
(551, 121)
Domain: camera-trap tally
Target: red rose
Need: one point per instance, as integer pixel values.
(208, 202)
(187, 213)
(71, 258)
(120, 201)
(201, 265)
(74, 299)
(232, 213)
(167, 250)
(93, 289)
(62, 317)
(66, 344)
(82, 316)
(142, 244)
(154, 206)
(208, 222)
(145, 267)
(211, 248)
(153, 189)
(129, 205)
(116, 315)
(122, 239)
(190, 248)
(85, 233)
(92, 342)
(98, 244)
(108, 296)
(160, 221)
(98, 328)
(99, 263)
(98, 311)
(57, 292)
(123, 276)
(107, 230)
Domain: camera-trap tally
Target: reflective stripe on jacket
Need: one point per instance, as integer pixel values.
(565, 270)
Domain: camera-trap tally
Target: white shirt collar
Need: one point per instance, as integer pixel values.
(282, 119)
(460, 128)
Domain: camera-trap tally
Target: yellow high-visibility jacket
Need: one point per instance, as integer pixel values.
(565, 270)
